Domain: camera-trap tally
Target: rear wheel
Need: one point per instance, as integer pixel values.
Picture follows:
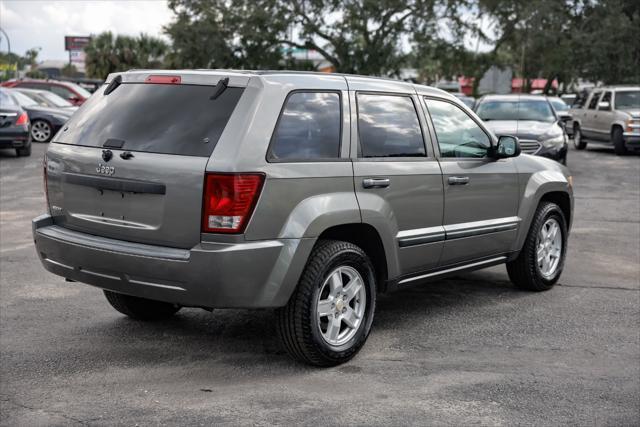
(540, 263)
(41, 131)
(618, 141)
(329, 316)
(578, 142)
(24, 151)
(140, 308)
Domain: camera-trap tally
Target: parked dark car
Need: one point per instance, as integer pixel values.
(70, 91)
(14, 125)
(529, 117)
(45, 121)
(562, 111)
(47, 99)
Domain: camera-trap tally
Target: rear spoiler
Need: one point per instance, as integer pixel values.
(188, 77)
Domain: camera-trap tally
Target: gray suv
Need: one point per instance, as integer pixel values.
(308, 193)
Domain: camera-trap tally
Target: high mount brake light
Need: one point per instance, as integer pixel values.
(23, 119)
(229, 200)
(164, 80)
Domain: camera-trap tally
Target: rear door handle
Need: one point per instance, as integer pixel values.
(376, 182)
(458, 180)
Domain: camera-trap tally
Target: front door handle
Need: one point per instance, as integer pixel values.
(458, 180)
(376, 182)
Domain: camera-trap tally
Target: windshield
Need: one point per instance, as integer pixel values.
(6, 100)
(627, 100)
(24, 100)
(54, 100)
(516, 110)
(558, 104)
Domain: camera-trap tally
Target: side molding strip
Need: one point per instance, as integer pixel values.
(456, 231)
(452, 269)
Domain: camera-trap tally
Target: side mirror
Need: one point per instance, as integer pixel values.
(604, 105)
(508, 146)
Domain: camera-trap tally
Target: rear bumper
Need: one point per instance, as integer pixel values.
(14, 139)
(244, 275)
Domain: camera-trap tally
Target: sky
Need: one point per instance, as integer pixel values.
(37, 23)
(43, 24)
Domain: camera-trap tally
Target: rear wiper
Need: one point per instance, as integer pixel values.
(117, 81)
(220, 87)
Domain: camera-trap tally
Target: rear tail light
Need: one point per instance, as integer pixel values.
(23, 119)
(229, 200)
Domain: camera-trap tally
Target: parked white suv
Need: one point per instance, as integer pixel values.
(609, 115)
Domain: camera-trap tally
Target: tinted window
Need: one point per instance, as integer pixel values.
(173, 119)
(24, 100)
(458, 135)
(62, 92)
(6, 100)
(627, 99)
(389, 127)
(558, 104)
(515, 109)
(594, 101)
(606, 97)
(308, 128)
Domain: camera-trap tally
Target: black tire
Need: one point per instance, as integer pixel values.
(524, 271)
(140, 308)
(578, 141)
(24, 151)
(298, 326)
(618, 141)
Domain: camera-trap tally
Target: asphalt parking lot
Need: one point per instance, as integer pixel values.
(466, 350)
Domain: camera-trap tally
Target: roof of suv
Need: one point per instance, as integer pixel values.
(277, 73)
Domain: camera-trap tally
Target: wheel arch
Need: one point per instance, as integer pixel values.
(369, 240)
(550, 186)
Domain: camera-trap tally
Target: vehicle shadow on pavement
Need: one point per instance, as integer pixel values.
(238, 337)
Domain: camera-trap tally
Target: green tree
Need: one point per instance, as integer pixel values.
(355, 36)
(226, 34)
(107, 54)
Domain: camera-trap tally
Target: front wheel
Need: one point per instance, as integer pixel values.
(618, 141)
(140, 308)
(328, 318)
(24, 151)
(540, 263)
(578, 142)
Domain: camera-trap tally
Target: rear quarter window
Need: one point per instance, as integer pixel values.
(155, 118)
(308, 128)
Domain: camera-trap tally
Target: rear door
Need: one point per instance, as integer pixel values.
(130, 163)
(480, 193)
(397, 179)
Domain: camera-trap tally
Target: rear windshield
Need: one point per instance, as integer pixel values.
(155, 118)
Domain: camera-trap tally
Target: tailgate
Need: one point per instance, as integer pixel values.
(130, 164)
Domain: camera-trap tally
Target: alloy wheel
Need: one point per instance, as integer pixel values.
(549, 248)
(40, 131)
(341, 305)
